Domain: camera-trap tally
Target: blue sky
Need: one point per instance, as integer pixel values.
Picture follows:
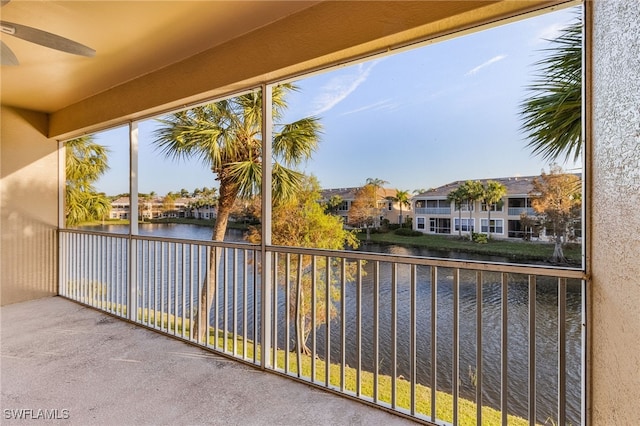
(417, 119)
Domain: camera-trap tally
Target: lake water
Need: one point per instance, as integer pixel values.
(517, 313)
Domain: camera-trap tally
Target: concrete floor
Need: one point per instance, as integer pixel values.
(87, 368)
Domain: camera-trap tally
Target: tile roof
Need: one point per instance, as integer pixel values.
(516, 185)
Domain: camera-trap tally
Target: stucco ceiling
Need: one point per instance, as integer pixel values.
(162, 54)
(131, 38)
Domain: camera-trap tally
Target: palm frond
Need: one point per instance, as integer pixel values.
(297, 141)
(286, 183)
(552, 115)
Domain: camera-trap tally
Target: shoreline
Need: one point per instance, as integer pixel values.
(514, 250)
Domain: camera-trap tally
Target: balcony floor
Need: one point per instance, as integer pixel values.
(58, 355)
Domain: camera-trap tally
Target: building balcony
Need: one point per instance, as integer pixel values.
(433, 210)
(398, 327)
(517, 211)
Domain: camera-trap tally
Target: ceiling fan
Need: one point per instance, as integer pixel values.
(43, 38)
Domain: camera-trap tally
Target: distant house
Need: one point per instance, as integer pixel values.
(433, 214)
(157, 208)
(388, 209)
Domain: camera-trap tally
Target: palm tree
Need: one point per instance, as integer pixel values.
(472, 191)
(226, 137)
(85, 162)
(376, 183)
(402, 198)
(552, 115)
(458, 196)
(492, 194)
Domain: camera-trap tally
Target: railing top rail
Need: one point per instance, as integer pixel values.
(476, 265)
(224, 244)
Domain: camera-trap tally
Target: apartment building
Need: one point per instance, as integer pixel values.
(435, 214)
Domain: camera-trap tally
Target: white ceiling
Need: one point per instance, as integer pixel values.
(131, 38)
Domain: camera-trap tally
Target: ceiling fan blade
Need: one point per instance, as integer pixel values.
(46, 39)
(6, 55)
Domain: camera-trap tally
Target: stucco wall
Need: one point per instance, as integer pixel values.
(615, 320)
(28, 207)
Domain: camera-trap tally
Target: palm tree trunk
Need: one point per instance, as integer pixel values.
(228, 194)
(469, 224)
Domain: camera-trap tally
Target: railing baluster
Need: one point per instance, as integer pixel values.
(225, 300)
(503, 349)
(163, 280)
(562, 352)
(176, 287)
(274, 346)
(327, 287)
(287, 310)
(413, 344)
(200, 285)
(219, 261)
(434, 341)
(359, 329)
(532, 350)
(245, 282)
(194, 260)
(184, 276)
(256, 314)
(343, 323)
(394, 332)
(211, 285)
(376, 308)
(298, 316)
(455, 379)
(156, 264)
(478, 372)
(314, 325)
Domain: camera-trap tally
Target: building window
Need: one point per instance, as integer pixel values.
(495, 207)
(464, 225)
(496, 226)
(344, 206)
(438, 204)
(439, 225)
(420, 223)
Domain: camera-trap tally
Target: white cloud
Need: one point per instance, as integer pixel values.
(384, 104)
(485, 64)
(340, 87)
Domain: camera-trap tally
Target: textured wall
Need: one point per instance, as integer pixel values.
(28, 207)
(615, 323)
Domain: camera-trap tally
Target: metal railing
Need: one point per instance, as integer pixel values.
(433, 210)
(517, 211)
(437, 340)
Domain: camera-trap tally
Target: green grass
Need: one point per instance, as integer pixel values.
(444, 402)
(516, 250)
(288, 364)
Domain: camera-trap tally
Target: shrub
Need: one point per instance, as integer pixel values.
(406, 232)
(480, 238)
